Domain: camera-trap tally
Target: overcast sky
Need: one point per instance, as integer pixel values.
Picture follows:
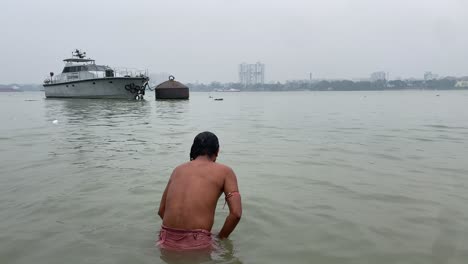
(205, 40)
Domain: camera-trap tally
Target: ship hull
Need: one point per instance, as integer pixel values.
(110, 88)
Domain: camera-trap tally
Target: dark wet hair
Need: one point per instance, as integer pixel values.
(205, 143)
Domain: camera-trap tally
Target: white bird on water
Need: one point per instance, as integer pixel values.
(55, 122)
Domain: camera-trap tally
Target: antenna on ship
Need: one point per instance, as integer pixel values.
(79, 54)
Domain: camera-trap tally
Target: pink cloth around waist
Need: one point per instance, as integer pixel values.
(181, 239)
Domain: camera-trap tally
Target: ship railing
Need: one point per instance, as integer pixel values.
(129, 72)
(74, 77)
(118, 72)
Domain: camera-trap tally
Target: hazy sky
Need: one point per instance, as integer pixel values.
(205, 40)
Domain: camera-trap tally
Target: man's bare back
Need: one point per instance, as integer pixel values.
(192, 193)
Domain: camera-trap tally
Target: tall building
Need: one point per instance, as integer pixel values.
(250, 74)
(378, 76)
(430, 76)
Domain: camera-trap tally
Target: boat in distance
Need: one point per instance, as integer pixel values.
(227, 90)
(83, 78)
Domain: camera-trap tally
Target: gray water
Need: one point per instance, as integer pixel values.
(327, 177)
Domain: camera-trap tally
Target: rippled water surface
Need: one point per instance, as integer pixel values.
(328, 177)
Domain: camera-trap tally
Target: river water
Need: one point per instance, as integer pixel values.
(325, 177)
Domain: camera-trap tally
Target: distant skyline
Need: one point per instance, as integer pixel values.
(206, 40)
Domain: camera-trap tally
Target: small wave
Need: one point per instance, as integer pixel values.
(421, 139)
(394, 198)
(388, 157)
(446, 127)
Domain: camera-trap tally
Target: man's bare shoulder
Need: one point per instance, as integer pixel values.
(224, 168)
(215, 166)
(182, 166)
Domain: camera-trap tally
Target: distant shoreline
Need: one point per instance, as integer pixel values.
(280, 91)
(376, 90)
(11, 91)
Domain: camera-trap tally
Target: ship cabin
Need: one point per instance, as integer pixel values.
(82, 69)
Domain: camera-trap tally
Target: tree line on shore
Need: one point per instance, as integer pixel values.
(335, 85)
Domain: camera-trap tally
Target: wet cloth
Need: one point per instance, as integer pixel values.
(181, 239)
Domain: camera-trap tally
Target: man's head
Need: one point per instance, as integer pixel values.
(205, 144)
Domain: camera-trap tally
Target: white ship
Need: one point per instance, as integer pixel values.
(83, 78)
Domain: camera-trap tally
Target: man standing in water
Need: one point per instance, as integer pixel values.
(189, 201)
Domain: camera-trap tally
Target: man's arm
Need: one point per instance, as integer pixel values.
(231, 191)
(162, 205)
